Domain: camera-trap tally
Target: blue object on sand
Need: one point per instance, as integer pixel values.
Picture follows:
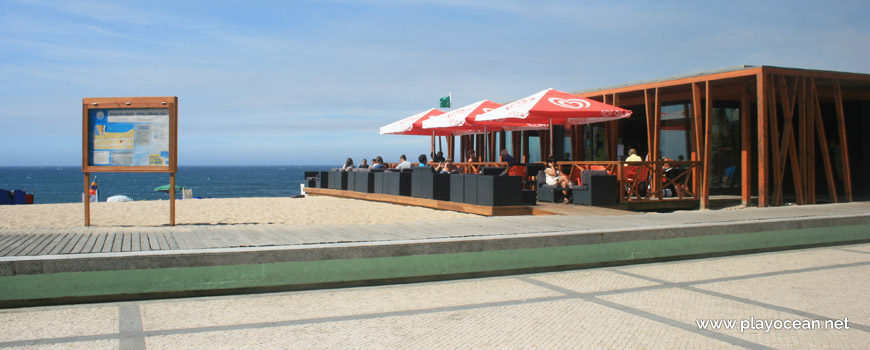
(20, 197)
(6, 197)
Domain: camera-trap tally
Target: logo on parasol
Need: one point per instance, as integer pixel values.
(574, 103)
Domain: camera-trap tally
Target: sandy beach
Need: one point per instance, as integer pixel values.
(315, 210)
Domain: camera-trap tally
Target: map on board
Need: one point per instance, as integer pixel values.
(129, 137)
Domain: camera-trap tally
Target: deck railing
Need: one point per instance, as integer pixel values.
(645, 181)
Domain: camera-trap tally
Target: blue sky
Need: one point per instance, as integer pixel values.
(310, 82)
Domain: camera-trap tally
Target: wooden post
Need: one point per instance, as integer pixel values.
(774, 138)
(697, 122)
(649, 121)
(823, 144)
(811, 143)
(745, 151)
(525, 146)
(87, 200)
(802, 138)
(708, 147)
(172, 199)
(654, 155)
(763, 161)
(844, 147)
(787, 146)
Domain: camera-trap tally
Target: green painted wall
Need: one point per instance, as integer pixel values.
(81, 284)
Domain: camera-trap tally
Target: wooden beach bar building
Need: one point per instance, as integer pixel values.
(772, 135)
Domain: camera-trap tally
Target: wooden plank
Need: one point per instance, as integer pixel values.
(81, 243)
(72, 243)
(170, 239)
(39, 245)
(111, 237)
(844, 146)
(89, 244)
(126, 241)
(823, 144)
(143, 240)
(763, 157)
(135, 244)
(57, 247)
(98, 244)
(152, 241)
(18, 245)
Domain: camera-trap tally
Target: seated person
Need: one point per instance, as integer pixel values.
(348, 164)
(632, 156)
(422, 160)
(438, 158)
(447, 167)
(403, 163)
(378, 163)
(506, 157)
(471, 156)
(364, 164)
(556, 178)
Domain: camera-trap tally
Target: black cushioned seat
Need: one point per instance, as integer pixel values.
(549, 193)
(493, 190)
(397, 183)
(596, 188)
(425, 183)
(457, 188)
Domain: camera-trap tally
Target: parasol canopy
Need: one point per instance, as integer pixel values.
(165, 188)
(413, 125)
(553, 107)
(461, 121)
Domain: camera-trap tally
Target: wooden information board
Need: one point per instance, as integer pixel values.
(130, 134)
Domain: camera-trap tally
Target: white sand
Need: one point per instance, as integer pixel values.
(315, 210)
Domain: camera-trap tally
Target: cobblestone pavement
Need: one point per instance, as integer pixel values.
(650, 306)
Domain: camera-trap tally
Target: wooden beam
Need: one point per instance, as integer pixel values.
(802, 137)
(745, 151)
(787, 147)
(823, 145)
(655, 154)
(844, 146)
(708, 147)
(748, 72)
(761, 87)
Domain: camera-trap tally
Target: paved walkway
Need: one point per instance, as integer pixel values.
(657, 305)
(47, 241)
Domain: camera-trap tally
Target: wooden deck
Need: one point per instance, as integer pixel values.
(423, 202)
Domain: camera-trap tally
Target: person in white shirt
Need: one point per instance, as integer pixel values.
(404, 163)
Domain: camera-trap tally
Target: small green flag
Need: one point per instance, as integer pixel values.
(445, 102)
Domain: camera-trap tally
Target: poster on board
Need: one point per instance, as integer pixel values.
(129, 137)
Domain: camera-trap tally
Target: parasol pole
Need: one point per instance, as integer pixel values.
(551, 139)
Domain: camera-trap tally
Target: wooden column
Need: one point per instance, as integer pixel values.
(761, 88)
(774, 138)
(698, 136)
(844, 146)
(745, 151)
(87, 199)
(172, 199)
(451, 146)
(787, 148)
(811, 143)
(580, 132)
(802, 140)
(823, 144)
(525, 138)
(649, 120)
(708, 146)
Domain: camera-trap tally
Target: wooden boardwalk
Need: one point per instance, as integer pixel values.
(53, 241)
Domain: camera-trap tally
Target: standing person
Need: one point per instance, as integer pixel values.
(378, 163)
(422, 160)
(506, 157)
(364, 164)
(438, 158)
(556, 178)
(348, 164)
(403, 163)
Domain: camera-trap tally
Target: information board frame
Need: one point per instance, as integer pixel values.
(129, 104)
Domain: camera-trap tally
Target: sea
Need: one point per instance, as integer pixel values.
(65, 184)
